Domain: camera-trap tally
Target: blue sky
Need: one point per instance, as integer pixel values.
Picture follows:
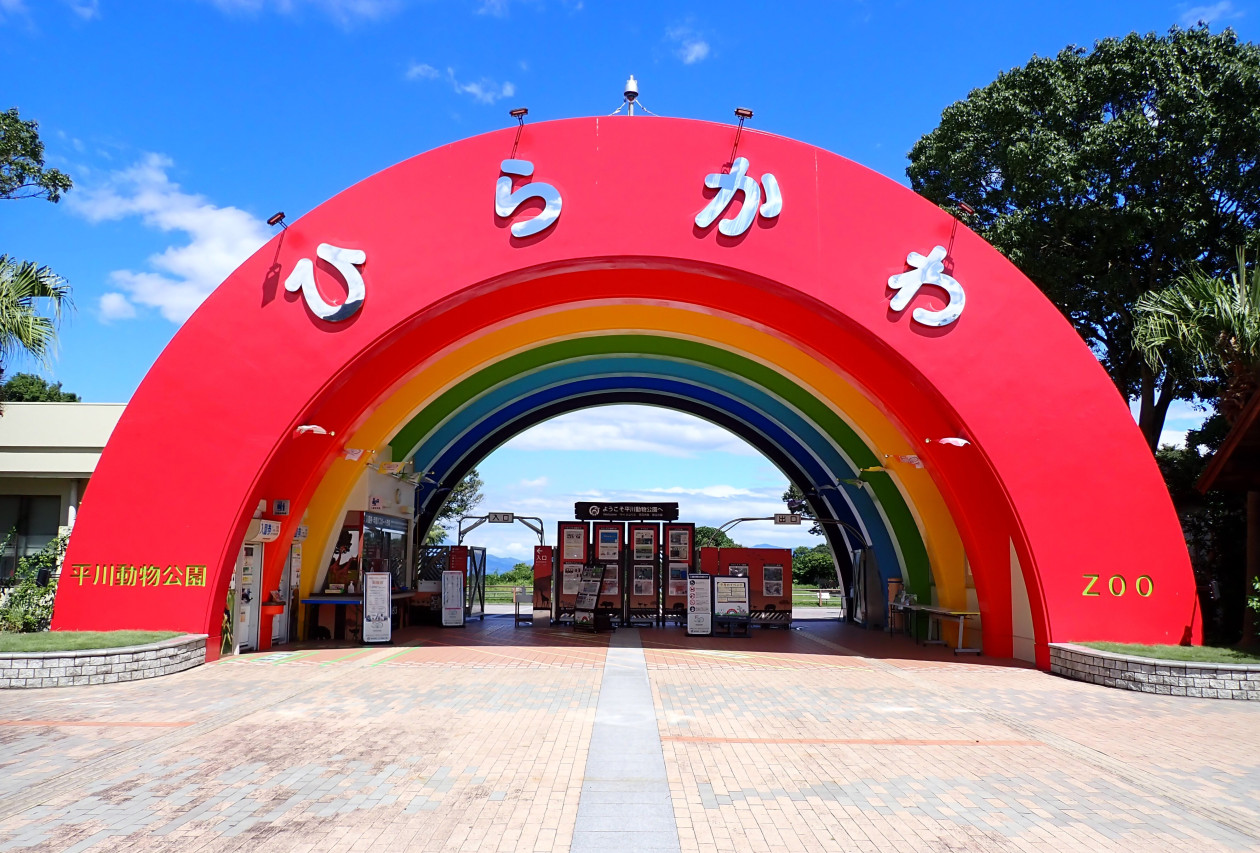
(186, 123)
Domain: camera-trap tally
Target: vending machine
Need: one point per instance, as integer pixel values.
(678, 560)
(643, 586)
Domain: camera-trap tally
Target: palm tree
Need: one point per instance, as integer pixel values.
(1208, 329)
(1209, 326)
(23, 328)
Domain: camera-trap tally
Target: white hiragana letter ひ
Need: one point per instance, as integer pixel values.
(506, 201)
(927, 270)
(346, 262)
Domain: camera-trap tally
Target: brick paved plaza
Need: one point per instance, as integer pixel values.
(537, 739)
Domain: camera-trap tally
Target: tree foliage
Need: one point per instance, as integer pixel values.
(1215, 527)
(31, 388)
(22, 171)
(1212, 326)
(25, 289)
(711, 537)
(1102, 174)
(27, 606)
(813, 566)
(462, 500)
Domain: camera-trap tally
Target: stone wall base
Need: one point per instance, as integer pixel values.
(1148, 675)
(101, 666)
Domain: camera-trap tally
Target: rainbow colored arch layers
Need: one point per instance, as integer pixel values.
(783, 334)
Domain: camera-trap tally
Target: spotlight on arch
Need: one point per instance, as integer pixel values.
(313, 429)
(277, 218)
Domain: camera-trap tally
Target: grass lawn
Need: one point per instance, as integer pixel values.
(1197, 654)
(69, 641)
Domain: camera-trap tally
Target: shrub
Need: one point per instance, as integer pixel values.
(27, 606)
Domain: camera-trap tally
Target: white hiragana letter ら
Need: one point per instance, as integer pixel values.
(927, 270)
(506, 201)
(346, 262)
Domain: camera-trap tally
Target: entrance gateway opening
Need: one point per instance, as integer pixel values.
(821, 312)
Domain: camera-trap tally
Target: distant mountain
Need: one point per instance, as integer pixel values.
(765, 546)
(500, 565)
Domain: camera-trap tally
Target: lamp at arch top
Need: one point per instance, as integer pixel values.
(841, 233)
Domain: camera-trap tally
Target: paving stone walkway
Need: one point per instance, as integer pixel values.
(540, 739)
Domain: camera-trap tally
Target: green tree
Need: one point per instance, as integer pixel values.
(22, 171)
(30, 388)
(711, 537)
(813, 566)
(1102, 174)
(796, 503)
(25, 286)
(1208, 328)
(462, 500)
(24, 290)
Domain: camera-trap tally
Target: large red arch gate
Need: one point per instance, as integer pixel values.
(1054, 497)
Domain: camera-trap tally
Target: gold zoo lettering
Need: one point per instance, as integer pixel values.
(1117, 586)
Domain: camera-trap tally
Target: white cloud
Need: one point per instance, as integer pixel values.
(536, 483)
(495, 8)
(636, 428)
(422, 71)
(691, 48)
(484, 91)
(85, 9)
(12, 7)
(116, 306)
(182, 276)
(1208, 14)
(342, 11)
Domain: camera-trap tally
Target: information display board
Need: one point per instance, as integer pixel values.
(377, 624)
(452, 599)
(730, 596)
(699, 605)
(643, 599)
(571, 555)
(677, 562)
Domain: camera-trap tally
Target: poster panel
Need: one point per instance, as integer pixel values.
(699, 605)
(772, 581)
(730, 596)
(612, 585)
(679, 545)
(573, 544)
(608, 544)
(644, 544)
(377, 624)
(572, 575)
(643, 580)
(452, 599)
